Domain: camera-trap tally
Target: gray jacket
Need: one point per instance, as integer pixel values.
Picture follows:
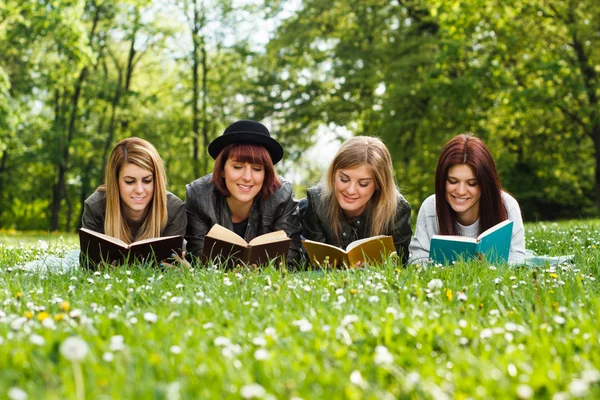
(316, 225)
(206, 206)
(94, 211)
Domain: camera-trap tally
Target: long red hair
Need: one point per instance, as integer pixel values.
(467, 149)
(250, 153)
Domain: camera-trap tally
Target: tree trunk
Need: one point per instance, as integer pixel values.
(204, 103)
(112, 123)
(195, 90)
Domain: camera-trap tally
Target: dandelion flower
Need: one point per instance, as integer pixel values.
(357, 379)
(382, 356)
(435, 284)
(524, 392)
(74, 348)
(108, 356)
(37, 340)
(253, 391)
(579, 387)
(15, 393)
(261, 354)
(150, 317)
(117, 343)
(175, 349)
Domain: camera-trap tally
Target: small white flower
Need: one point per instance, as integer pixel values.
(175, 349)
(222, 341)
(486, 333)
(461, 296)
(261, 354)
(303, 325)
(357, 379)
(108, 356)
(117, 343)
(590, 375)
(179, 286)
(373, 299)
(349, 319)
(579, 387)
(524, 391)
(208, 325)
(462, 323)
(382, 356)
(270, 331)
(150, 317)
(435, 284)
(253, 391)
(259, 341)
(17, 323)
(559, 320)
(37, 340)
(74, 348)
(15, 393)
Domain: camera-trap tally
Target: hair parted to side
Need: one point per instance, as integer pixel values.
(246, 153)
(143, 154)
(352, 153)
(467, 149)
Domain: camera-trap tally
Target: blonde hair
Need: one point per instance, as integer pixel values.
(372, 152)
(141, 153)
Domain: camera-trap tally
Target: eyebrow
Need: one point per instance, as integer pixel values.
(467, 180)
(360, 179)
(133, 177)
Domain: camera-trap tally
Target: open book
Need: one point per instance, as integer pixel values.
(97, 247)
(493, 244)
(226, 246)
(374, 249)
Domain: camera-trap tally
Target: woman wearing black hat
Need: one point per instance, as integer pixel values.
(243, 194)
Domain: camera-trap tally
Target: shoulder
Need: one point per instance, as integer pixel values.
(510, 203)
(428, 207)
(284, 193)
(402, 204)
(201, 184)
(97, 201)
(173, 202)
(311, 201)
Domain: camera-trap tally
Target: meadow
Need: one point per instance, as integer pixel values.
(470, 330)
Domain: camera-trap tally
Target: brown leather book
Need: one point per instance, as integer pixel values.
(374, 249)
(99, 248)
(226, 247)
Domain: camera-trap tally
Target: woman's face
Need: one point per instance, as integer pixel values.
(463, 193)
(136, 189)
(354, 187)
(243, 180)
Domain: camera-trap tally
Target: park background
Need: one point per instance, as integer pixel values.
(77, 76)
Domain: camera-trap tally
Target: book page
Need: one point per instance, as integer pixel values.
(106, 237)
(455, 238)
(152, 240)
(276, 236)
(312, 243)
(224, 234)
(494, 228)
(361, 241)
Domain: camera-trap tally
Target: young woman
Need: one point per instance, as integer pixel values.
(468, 200)
(134, 204)
(357, 199)
(243, 193)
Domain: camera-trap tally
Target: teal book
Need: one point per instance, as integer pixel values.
(493, 245)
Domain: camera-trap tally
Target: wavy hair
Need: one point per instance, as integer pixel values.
(467, 149)
(142, 154)
(372, 152)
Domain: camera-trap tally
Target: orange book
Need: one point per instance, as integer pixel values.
(225, 246)
(374, 249)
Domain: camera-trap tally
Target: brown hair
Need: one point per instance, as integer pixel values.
(372, 152)
(469, 150)
(141, 153)
(250, 153)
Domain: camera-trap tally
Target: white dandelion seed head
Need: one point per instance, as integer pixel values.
(259, 341)
(208, 325)
(37, 340)
(253, 391)
(261, 354)
(590, 375)
(108, 356)
(435, 284)
(222, 341)
(373, 299)
(486, 333)
(74, 348)
(15, 393)
(382, 356)
(150, 317)
(559, 320)
(175, 349)
(117, 343)
(524, 391)
(349, 319)
(357, 379)
(579, 387)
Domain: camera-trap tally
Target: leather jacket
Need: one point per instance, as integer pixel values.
(206, 206)
(316, 225)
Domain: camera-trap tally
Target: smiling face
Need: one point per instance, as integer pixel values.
(136, 188)
(463, 193)
(354, 187)
(243, 180)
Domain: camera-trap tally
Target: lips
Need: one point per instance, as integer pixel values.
(349, 199)
(139, 199)
(245, 188)
(461, 200)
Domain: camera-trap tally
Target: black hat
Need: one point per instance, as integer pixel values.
(246, 131)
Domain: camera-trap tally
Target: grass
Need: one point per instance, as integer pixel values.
(466, 331)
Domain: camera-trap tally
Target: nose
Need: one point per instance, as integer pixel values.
(139, 187)
(462, 188)
(247, 175)
(351, 189)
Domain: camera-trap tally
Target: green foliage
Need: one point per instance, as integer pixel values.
(467, 330)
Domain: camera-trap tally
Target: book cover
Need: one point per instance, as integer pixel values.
(226, 247)
(373, 249)
(97, 248)
(493, 245)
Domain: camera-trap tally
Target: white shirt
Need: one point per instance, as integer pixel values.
(427, 226)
